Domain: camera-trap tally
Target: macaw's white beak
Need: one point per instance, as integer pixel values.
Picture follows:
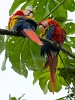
(41, 27)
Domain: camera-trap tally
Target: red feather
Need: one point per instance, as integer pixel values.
(19, 12)
(26, 23)
(52, 64)
(58, 35)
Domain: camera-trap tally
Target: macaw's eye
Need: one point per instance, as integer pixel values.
(41, 27)
(31, 14)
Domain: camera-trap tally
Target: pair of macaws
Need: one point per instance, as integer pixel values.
(24, 22)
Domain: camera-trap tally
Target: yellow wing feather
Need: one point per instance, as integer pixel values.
(12, 22)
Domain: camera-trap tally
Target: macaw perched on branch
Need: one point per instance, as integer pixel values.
(22, 20)
(51, 30)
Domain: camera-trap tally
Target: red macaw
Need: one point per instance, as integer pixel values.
(51, 30)
(23, 21)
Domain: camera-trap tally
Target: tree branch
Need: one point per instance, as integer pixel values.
(58, 47)
(19, 34)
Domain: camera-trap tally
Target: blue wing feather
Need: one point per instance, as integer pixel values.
(45, 48)
(23, 23)
(49, 31)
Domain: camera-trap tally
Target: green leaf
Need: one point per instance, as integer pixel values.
(70, 28)
(15, 5)
(23, 54)
(47, 6)
(14, 48)
(68, 74)
(57, 13)
(69, 5)
(63, 98)
(72, 39)
(62, 81)
(40, 74)
(43, 84)
(25, 4)
(72, 42)
(40, 9)
(58, 86)
(60, 19)
(43, 77)
(61, 60)
(67, 45)
(31, 56)
(28, 3)
(2, 44)
(31, 2)
(12, 98)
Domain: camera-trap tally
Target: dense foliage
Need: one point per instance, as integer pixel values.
(24, 55)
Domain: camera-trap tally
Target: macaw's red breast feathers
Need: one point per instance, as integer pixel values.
(24, 22)
(51, 30)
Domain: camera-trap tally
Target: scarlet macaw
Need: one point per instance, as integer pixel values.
(51, 30)
(23, 21)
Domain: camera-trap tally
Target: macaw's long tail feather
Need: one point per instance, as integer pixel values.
(52, 81)
(30, 34)
(52, 63)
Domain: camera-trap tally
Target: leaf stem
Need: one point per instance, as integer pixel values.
(54, 9)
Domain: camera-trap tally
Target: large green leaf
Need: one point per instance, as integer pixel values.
(23, 54)
(14, 48)
(45, 84)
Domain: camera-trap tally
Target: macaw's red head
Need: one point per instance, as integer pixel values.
(19, 12)
(27, 12)
(43, 24)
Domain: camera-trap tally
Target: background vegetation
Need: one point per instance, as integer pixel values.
(24, 57)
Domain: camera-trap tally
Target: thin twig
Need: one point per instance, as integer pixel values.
(19, 34)
(54, 9)
(61, 60)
